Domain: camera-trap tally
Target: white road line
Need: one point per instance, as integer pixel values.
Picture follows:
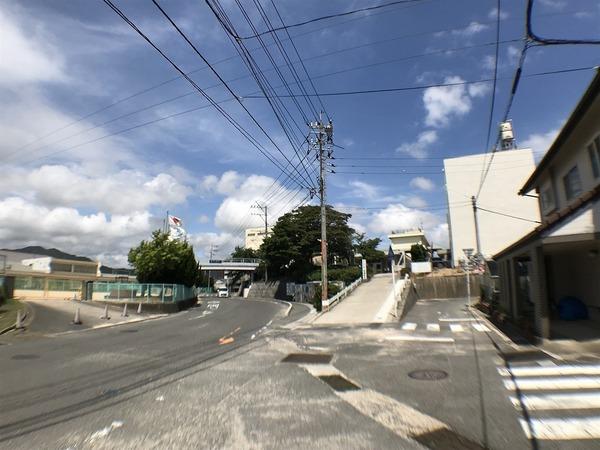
(409, 326)
(529, 371)
(420, 339)
(433, 327)
(456, 328)
(458, 319)
(536, 384)
(576, 400)
(480, 327)
(562, 429)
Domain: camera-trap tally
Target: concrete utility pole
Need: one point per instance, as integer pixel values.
(468, 253)
(323, 144)
(265, 215)
(477, 237)
(213, 248)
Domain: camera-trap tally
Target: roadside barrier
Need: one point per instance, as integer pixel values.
(124, 313)
(139, 310)
(19, 321)
(330, 303)
(105, 315)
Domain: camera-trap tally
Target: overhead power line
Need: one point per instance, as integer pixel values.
(233, 34)
(507, 215)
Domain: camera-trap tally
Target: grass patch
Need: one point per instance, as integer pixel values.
(8, 312)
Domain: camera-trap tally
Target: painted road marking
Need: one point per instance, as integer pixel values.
(456, 328)
(562, 429)
(480, 327)
(550, 370)
(410, 326)
(553, 383)
(433, 327)
(576, 400)
(458, 319)
(419, 339)
(225, 340)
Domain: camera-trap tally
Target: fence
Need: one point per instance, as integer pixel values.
(330, 303)
(140, 292)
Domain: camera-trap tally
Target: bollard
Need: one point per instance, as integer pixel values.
(77, 319)
(105, 315)
(139, 311)
(19, 322)
(124, 313)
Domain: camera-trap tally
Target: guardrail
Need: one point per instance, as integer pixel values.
(331, 302)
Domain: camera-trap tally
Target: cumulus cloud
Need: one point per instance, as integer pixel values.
(494, 13)
(419, 148)
(364, 190)
(470, 30)
(120, 192)
(445, 102)
(540, 142)
(26, 223)
(397, 217)
(554, 4)
(425, 184)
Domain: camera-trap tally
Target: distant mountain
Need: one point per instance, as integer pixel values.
(53, 252)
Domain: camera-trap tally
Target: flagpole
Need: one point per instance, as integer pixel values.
(167, 222)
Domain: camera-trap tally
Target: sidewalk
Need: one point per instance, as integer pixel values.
(365, 305)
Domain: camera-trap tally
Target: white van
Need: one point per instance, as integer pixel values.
(222, 292)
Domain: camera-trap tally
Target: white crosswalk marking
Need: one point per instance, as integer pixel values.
(433, 327)
(575, 400)
(480, 327)
(456, 328)
(534, 384)
(409, 326)
(562, 429)
(551, 370)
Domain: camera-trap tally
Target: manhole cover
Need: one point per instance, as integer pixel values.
(24, 357)
(339, 383)
(308, 358)
(428, 375)
(129, 331)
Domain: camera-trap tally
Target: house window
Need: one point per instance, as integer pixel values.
(547, 200)
(594, 151)
(572, 183)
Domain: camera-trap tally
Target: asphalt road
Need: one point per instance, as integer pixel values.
(48, 382)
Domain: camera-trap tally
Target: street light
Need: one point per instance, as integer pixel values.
(468, 253)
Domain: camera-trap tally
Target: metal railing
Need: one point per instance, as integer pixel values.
(331, 302)
(235, 260)
(141, 292)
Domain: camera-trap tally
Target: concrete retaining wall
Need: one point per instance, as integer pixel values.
(447, 287)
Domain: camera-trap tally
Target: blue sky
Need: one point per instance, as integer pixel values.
(78, 179)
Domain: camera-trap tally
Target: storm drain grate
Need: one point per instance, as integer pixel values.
(339, 383)
(308, 358)
(25, 357)
(428, 374)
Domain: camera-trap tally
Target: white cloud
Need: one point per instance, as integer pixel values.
(26, 223)
(444, 102)
(414, 201)
(27, 56)
(120, 192)
(540, 142)
(364, 190)
(419, 148)
(470, 30)
(554, 4)
(494, 13)
(398, 217)
(425, 184)
(203, 218)
(222, 244)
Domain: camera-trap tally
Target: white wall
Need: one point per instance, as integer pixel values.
(508, 172)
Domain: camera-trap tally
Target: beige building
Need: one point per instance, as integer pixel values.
(255, 237)
(497, 201)
(561, 257)
(402, 241)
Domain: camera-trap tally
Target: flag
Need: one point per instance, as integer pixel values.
(175, 221)
(176, 230)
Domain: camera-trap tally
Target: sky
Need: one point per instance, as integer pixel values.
(100, 136)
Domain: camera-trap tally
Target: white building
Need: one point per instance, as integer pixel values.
(255, 237)
(402, 241)
(497, 201)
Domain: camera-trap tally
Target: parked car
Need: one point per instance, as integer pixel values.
(222, 292)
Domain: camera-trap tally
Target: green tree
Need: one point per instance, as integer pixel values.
(164, 260)
(242, 252)
(418, 253)
(295, 239)
(368, 248)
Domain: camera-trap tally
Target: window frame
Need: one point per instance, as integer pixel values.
(573, 194)
(593, 149)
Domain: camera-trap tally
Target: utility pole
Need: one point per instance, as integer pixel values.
(477, 238)
(265, 215)
(213, 248)
(323, 143)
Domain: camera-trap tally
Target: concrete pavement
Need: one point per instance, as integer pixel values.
(369, 303)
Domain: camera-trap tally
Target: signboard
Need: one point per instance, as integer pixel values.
(364, 269)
